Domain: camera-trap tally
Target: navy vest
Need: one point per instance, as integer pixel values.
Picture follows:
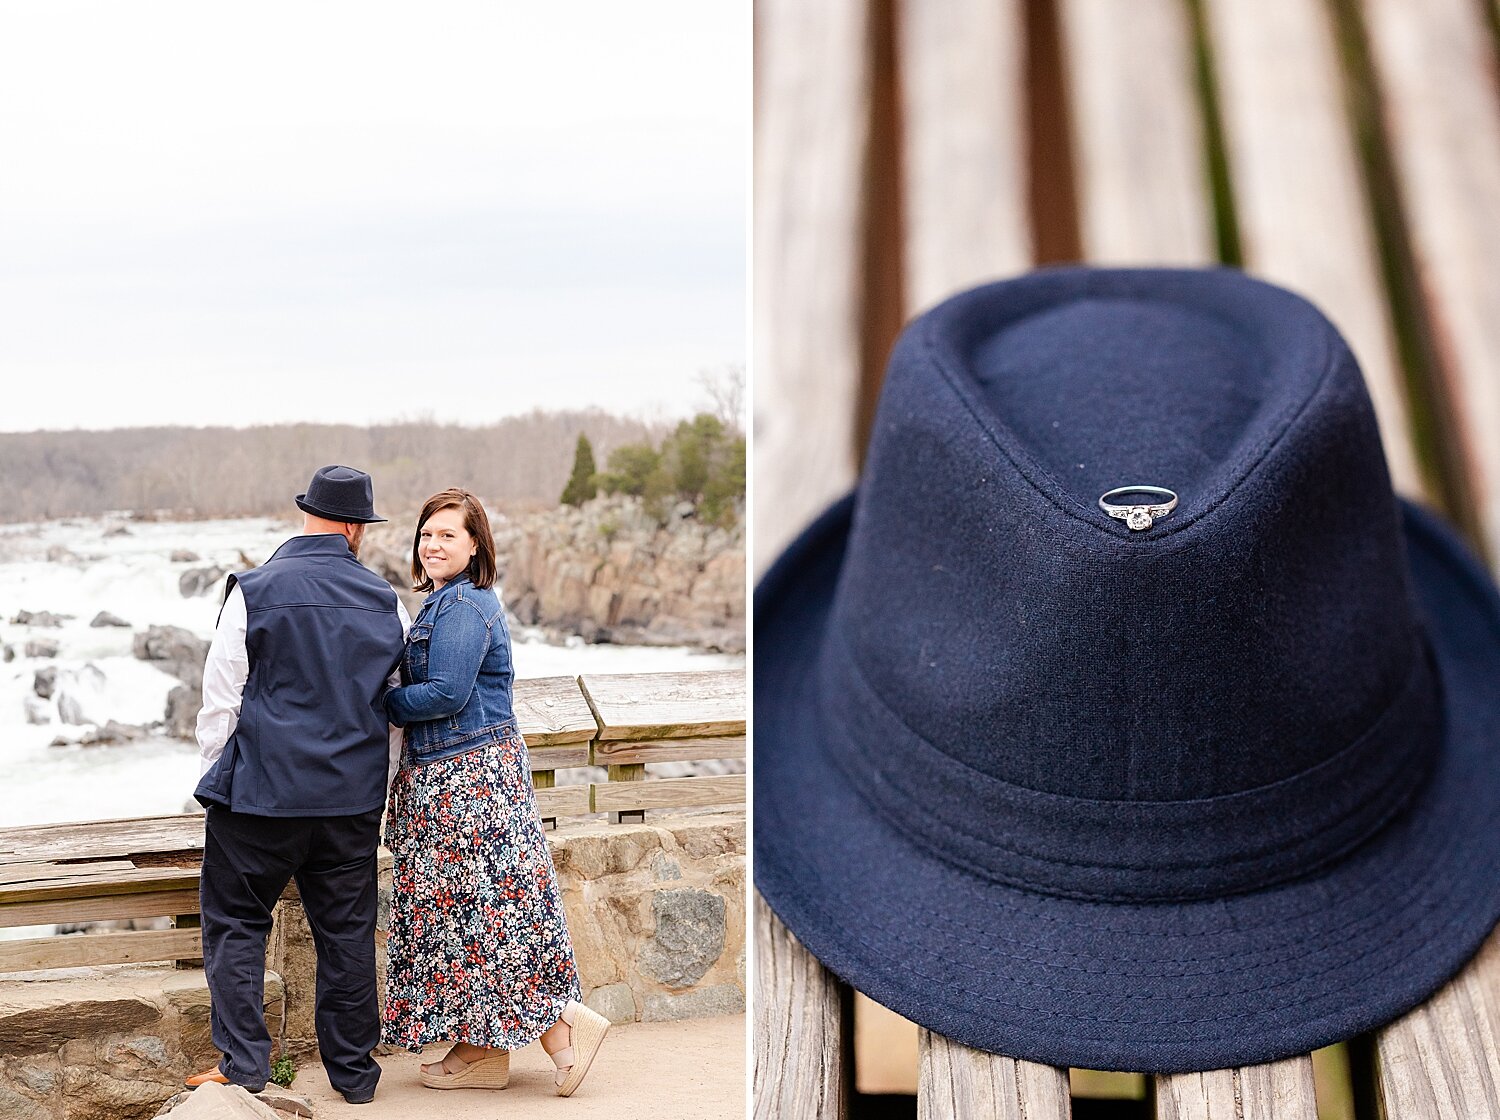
(323, 637)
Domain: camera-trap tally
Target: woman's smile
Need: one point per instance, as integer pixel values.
(446, 546)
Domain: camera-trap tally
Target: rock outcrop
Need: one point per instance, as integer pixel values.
(40, 618)
(610, 572)
(180, 653)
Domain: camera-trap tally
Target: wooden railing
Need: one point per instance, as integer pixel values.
(148, 867)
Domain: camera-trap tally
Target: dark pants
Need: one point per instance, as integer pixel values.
(247, 862)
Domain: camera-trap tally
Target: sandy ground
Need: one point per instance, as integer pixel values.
(688, 1070)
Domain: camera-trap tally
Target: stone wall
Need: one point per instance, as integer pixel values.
(105, 1043)
(656, 912)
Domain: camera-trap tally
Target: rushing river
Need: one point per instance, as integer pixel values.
(83, 567)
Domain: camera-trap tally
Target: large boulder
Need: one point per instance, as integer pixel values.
(200, 581)
(178, 652)
(104, 618)
(174, 650)
(44, 682)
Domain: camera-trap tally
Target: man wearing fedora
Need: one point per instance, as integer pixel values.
(297, 758)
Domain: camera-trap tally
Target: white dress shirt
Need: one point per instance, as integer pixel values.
(224, 675)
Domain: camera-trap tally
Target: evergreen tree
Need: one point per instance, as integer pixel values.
(581, 485)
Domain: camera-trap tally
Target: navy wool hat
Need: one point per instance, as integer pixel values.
(1211, 793)
(340, 494)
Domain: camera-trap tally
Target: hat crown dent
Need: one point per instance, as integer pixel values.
(1251, 636)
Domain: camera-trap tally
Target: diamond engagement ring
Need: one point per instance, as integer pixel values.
(1138, 515)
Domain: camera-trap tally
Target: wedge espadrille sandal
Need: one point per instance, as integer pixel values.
(587, 1029)
(489, 1072)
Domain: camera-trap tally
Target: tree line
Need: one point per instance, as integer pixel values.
(231, 472)
(701, 461)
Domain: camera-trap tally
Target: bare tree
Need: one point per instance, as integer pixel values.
(224, 472)
(725, 388)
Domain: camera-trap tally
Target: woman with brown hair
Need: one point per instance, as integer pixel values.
(479, 949)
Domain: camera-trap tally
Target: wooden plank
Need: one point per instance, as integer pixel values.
(667, 705)
(1138, 137)
(552, 710)
(608, 752)
(1304, 215)
(39, 871)
(1443, 1059)
(556, 758)
(812, 133)
(564, 801)
(963, 86)
(109, 839)
(670, 793)
(86, 883)
(80, 950)
(803, 1037)
(149, 904)
(627, 773)
(1274, 1091)
(953, 1080)
(1435, 66)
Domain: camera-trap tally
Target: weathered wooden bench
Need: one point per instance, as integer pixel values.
(904, 149)
(149, 867)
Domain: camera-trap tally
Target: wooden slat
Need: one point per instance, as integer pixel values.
(80, 950)
(556, 758)
(963, 145)
(1137, 132)
(607, 751)
(1303, 211)
(812, 133)
(552, 710)
(669, 793)
(1436, 69)
(150, 904)
(111, 839)
(563, 801)
(667, 705)
(86, 883)
(954, 1081)
(1443, 1059)
(1274, 1091)
(39, 871)
(803, 1037)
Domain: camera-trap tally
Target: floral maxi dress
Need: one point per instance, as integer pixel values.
(479, 948)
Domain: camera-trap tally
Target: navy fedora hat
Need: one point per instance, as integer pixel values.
(340, 494)
(1209, 793)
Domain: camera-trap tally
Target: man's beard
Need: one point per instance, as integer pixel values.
(356, 539)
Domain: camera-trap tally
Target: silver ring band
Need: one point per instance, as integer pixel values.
(1139, 516)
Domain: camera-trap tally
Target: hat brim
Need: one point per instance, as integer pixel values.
(1152, 988)
(302, 504)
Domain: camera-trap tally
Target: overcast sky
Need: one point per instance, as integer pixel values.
(358, 211)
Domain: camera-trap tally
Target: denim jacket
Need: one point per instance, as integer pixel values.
(456, 674)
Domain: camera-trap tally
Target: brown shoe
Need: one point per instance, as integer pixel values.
(205, 1077)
